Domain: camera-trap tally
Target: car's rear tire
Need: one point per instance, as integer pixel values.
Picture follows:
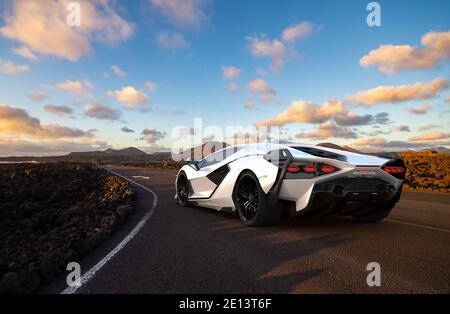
(374, 216)
(252, 203)
(183, 189)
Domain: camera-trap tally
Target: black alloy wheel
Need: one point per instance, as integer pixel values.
(248, 197)
(182, 189)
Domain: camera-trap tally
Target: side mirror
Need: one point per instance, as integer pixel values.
(193, 163)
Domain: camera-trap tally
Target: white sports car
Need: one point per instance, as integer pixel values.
(262, 181)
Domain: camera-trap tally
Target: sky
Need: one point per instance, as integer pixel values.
(166, 74)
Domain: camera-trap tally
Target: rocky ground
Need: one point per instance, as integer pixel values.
(53, 214)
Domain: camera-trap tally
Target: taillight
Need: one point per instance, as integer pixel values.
(309, 169)
(327, 169)
(304, 170)
(394, 169)
(293, 169)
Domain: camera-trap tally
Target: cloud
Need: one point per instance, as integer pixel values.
(75, 87)
(152, 135)
(370, 141)
(327, 130)
(230, 72)
(259, 86)
(58, 110)
(429, 127)
(127, 130)
(172, 40)
(423, 109)
(448, 99)
(401, 128)
(401, 93)
(41, 26)
(8, 67)
(273, 49)
(298, 31)
(277, 49)
(25, 52)
(37, 96)
(151, 86)
(99, 111)
(376, 132)
(390, 59)
(232, 87)
(130, 97)
(17, 122)
(433, 136)
(302, 111)
(249, 104)
(186, 131)
(74, 101)
(351, 118)
(183, 13)
(118, 71)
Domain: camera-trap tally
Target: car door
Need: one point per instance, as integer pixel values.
(202, 186)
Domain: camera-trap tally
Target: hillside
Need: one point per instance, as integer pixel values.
(129, 151)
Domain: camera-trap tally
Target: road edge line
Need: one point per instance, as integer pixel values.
(417, 225)
(94, 269)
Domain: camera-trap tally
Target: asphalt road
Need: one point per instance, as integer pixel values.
(196, 250)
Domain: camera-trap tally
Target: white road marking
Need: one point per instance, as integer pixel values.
(417, 225)
(140, 177)
(91, 272)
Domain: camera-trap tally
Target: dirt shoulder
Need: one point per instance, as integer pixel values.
(53, 214)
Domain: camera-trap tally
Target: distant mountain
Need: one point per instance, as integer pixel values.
(440, 149)
(334, 146)
(129, 151)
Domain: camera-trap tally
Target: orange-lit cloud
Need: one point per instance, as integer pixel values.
(328, 129)
(298, 31)
(130, 97)
(259, 86)
(394, 94)
(41, 27)
(279, 49)
(307, 112)
(274, 49)
(17, 122)
(432, 136)
(183, 13)
(390, 59)
(37, 96)
(75, 87)
(230, 72)
(8, 67)
(26, 53)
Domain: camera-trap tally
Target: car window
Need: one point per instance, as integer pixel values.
(218, 156)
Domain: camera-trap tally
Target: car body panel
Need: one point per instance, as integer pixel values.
(254, 157)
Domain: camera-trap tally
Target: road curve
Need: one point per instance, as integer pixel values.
(196, 250)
